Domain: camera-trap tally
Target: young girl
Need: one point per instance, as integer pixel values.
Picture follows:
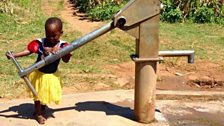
(46, 80)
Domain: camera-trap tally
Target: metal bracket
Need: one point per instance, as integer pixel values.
(135, 58)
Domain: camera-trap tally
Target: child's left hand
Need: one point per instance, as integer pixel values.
(67, 57)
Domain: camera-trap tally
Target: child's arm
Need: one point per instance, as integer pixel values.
(19, 54)
(55, 49)
(32, 47)
(22, 53)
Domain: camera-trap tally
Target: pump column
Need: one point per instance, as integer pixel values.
(141, 20)
(145, 70)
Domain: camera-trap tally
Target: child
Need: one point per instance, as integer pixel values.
(46, 80)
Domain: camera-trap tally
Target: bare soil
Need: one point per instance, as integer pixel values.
(77, 20)
(201, 75)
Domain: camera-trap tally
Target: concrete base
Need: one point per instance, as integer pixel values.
(115, 108)
(106, 108)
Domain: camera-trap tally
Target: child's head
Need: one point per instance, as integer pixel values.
(53, 29)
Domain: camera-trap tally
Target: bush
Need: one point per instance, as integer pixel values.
(99, 9)
(82, 5)
(171, 13)
(204, 15)
(103, 12)
(211, 11)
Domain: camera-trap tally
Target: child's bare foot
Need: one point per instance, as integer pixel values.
(40, 119)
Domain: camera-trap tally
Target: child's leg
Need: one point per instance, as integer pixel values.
(43, 110)
(38, 113)
(37, 107)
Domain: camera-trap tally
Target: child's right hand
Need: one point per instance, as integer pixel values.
(8, 55)
(51, 50)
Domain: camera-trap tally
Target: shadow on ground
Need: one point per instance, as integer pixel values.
(108, 108)
(26, 110)
(23, 111)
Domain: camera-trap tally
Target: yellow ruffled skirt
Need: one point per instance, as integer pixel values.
(48, 87)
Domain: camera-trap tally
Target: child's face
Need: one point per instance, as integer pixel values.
(53, 34)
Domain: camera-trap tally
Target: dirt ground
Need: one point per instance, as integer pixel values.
(198, 76)
(201, 75)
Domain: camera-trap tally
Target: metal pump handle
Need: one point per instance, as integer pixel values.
(20, 69)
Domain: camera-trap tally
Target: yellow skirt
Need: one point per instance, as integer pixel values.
(48, 87)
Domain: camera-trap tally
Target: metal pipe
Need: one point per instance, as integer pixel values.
(21, 70)
(178, 53)
(74, 45)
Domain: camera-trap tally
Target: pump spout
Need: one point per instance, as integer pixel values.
(178, 53)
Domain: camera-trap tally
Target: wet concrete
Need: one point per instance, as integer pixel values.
(191, 113)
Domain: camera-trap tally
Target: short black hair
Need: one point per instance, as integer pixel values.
(54, 20)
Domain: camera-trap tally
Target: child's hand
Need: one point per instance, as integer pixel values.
(67, 57)
(47, 50)
(51, 50)
(8, 55)
(55, 49)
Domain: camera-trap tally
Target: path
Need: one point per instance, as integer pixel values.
(76, 19)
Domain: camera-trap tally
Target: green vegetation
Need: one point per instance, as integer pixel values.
(99, 10)
(19, 27)
(196, 11)
(103, 12)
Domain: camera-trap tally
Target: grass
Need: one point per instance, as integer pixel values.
(205, 39)
(16, 28)
(112, 48)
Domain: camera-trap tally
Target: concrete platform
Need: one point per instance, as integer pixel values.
(115, 108)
